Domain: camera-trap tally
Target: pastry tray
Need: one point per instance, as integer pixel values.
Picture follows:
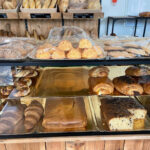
(91, 124)
(95, 100)
(70, 81)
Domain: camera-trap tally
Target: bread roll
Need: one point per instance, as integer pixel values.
(74, 54)
(65, 45)
(127, 85)
(85, 43)
(89, 53)
(137, 71)
(101, 86)
(99, 72)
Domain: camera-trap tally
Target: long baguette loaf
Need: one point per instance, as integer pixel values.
(46, 3)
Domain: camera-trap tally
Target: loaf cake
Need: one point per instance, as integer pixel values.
(123, 114)
(64, 113)
(127, 85)
(101, 85)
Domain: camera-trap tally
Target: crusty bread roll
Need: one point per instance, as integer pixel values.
(127, 85)
(99, 71)
(74, 54)
(137, 71)
(101, 85)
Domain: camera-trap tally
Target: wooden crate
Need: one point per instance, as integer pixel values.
(10, 26)
(9, 13)
(48, 13)
(91, 26)
(83, 14)
(41, 26)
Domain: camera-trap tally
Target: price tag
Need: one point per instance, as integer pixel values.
(40, 15)
(3, 15)
(91, 15)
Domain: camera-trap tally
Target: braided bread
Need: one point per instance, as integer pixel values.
(33, 114)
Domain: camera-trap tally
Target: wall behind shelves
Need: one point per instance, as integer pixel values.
(124, 8)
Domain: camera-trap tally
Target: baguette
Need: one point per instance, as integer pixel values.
(53, 3)
(27, 34)
(38, 4)
(46, 3)
(63, 5)
(25, 4)
(8, 5)
(35, 35)
(32, 4)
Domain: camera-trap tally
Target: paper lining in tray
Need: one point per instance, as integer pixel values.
(95, 100)
(91, 124)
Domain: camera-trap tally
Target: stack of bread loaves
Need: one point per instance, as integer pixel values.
(40, 4)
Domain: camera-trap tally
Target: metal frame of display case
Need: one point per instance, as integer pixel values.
(67, 63)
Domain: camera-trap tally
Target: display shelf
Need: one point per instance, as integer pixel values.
(65, 63)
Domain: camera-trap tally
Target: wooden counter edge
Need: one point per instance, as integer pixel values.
(77, 138)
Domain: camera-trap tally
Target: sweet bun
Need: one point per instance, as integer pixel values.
(65, 45)
(74, 54)
(43, 54)
(99, 50)
(89, 53)
(85, 43)
(58, 54)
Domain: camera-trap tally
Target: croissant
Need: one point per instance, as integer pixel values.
(127, 85)
(101, 85)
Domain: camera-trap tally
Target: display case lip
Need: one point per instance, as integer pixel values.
(74, 134)
(67, 63)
